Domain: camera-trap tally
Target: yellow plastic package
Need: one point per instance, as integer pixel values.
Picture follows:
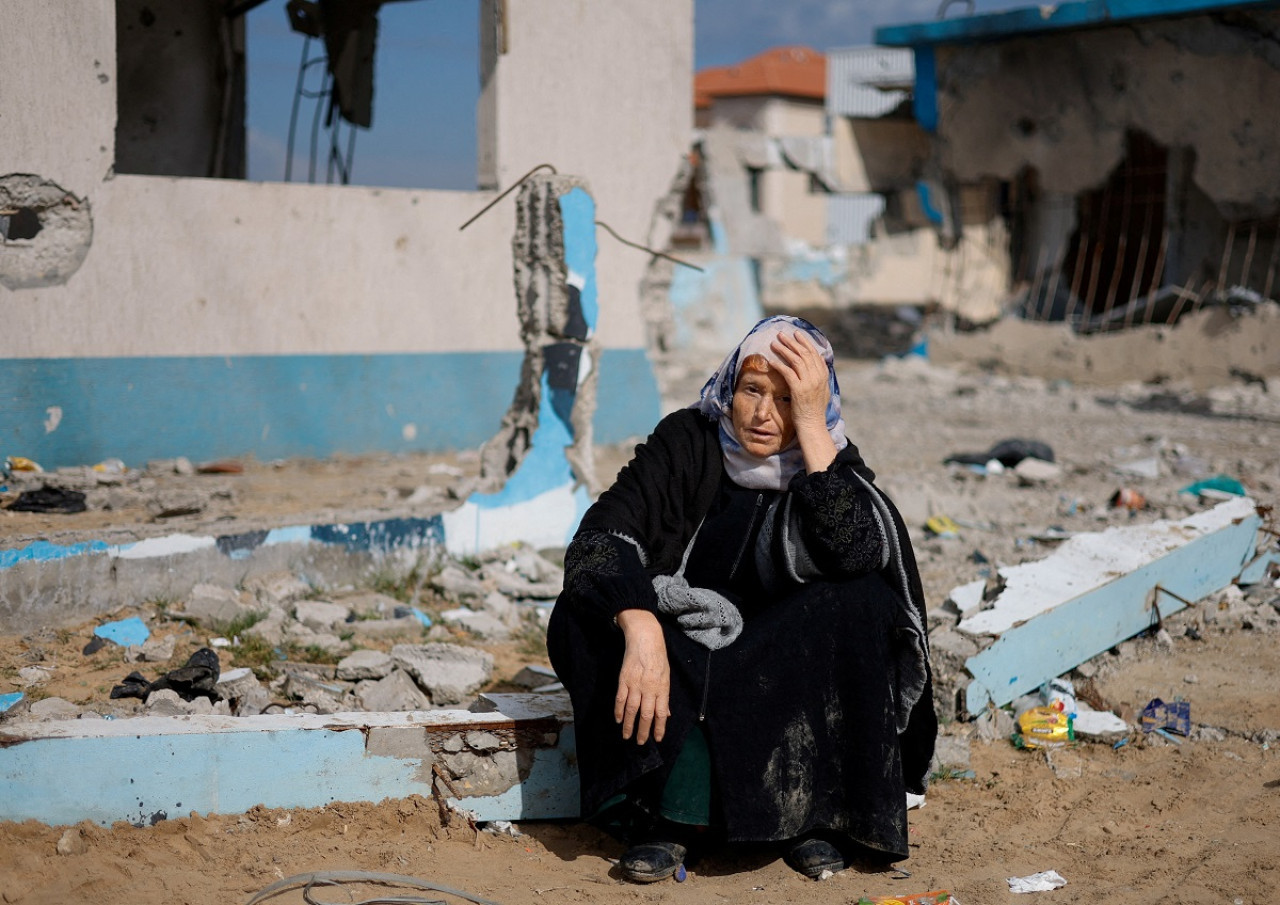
(1047, 726)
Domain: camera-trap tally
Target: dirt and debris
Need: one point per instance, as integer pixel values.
(1193, 818)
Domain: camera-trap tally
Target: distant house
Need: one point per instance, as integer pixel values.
(774, 101)
(1132, 150)
(807, 175)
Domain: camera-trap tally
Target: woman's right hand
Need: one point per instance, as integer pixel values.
(643, 702)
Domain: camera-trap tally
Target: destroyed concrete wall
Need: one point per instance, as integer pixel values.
(600, 90)
(878, 155)
(181, 90)
(1063, 104)
(307, 320)
(1137, 157)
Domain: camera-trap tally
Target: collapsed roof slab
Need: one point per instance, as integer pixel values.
(1098, 589)
(515, 762)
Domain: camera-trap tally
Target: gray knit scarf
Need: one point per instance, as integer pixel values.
(705, 616)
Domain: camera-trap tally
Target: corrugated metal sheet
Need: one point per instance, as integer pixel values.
(868, 82)
(850, 215)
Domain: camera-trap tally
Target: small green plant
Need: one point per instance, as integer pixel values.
(240, 624)
(314, 653)
(259, 655)
(161, 604)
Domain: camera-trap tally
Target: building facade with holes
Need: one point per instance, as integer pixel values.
(1127, 147)
(159, 305)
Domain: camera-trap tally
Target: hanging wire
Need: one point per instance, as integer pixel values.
(654, 252)
(484, 210)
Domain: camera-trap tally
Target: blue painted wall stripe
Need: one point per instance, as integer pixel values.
(924, 100)
(578, 212)
(1037, 19)
(138, 409)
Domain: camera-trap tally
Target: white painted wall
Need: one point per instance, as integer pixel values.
(603, 91)
(192, 266)
(58, 101)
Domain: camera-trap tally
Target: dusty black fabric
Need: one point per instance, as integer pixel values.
(801, 711)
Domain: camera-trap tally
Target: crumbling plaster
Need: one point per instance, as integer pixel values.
(1063, 103)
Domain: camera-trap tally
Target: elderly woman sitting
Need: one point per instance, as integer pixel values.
(742, 628)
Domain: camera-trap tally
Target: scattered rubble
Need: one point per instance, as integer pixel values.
(278, 645)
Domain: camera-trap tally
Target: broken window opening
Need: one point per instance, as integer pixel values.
(692, 231)
(1118, 250)
(180, 89)
(210, 90)
(1148, 246)
(20, 223)
(755, 176)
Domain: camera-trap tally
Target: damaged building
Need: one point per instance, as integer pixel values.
(1129, 151)
(145, 279)
(803, 193)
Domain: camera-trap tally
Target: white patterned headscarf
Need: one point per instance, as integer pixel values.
(716, 402)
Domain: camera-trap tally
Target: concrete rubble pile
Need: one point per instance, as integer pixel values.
(374, 653)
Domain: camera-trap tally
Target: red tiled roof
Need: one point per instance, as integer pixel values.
(787, 71)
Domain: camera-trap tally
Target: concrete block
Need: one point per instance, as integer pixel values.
(457, 584)
(242, 690)
(211, 605)
(167, 702)
(482, 624)
(515, 585)
(952, 751)
(1036, 471)
(536, 567)
(54, 709)
(395, 693)
(34, 676)
(448, 672)
(501, 607)
(320, 614)
(325, 697)
(277, 588)
(154, 650)
(214, 764)
(407, 626)
(271, 630)
(366, 604)
(365, 664)
(533, 676)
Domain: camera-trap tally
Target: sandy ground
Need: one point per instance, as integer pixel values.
(1195, 822)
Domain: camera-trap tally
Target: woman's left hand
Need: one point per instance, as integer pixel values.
(805, 371)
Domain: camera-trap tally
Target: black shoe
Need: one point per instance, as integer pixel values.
(651, 861)
(811, 856)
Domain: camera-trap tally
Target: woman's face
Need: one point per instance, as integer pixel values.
(762, 412)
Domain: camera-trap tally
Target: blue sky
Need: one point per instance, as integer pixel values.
(427, 78)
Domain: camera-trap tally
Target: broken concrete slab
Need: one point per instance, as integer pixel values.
(149, 768)
(395, 692)
(53, 709)
(1099, 589)
(480, 624)
(449, 673)
(365, 664)
(320, 615)
(210, 604)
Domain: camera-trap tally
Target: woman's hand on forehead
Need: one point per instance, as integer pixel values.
(805, 371)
